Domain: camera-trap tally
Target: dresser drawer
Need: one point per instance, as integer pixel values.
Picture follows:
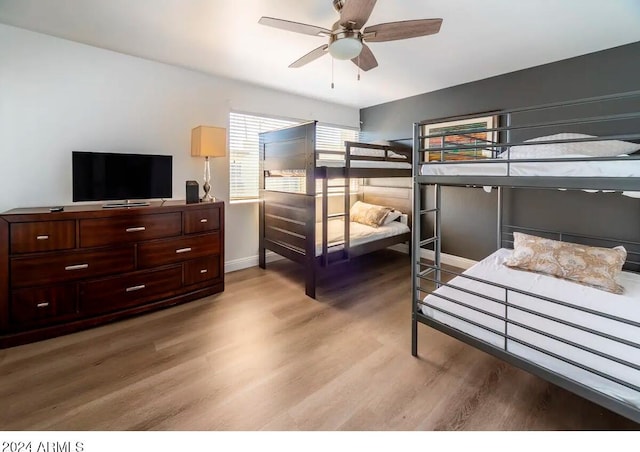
(201, 220)
(110, 294)
(200, 270)
(42, 305)
(70, 265)
(162, 252)
(114, 230)
(42, 236)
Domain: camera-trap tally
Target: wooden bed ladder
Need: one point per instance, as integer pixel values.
(326, 217)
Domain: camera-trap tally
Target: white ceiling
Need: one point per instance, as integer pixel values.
(478, 39)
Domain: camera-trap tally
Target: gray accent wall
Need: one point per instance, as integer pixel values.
(469, 217)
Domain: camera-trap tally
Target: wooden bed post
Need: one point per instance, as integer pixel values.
(262, 252)
(310, 283)
(310, 250)
(310, 170)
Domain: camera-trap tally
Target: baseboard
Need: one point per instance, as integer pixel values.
(401, 247)
(252, 261)
(247, 262)
(448, 259)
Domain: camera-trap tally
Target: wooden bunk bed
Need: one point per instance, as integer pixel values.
(290, 224)
(581, 338)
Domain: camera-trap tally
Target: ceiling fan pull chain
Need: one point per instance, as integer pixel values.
(358, 67)
(332, 73)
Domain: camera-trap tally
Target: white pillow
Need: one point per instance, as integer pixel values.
(391, 153)
(604, 148)
(392, 216)
(366, 152)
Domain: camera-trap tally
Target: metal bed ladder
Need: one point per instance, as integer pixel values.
(420, 270)
(421, 210)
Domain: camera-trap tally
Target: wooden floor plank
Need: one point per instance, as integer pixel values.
(263, 356)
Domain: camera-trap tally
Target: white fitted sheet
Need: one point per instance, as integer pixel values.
(364, 164)
(625, 306)
(367, 164)
(358, 233)
(612, 168)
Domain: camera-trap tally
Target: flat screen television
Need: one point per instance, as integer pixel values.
(99, 176)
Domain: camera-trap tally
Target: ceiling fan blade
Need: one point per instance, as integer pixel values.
(393, 31)
(355, 13)
(365, 60)
(309, 57)
(296, 27)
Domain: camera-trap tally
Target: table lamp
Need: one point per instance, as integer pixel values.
(208, 142)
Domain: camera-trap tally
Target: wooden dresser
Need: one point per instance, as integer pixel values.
(65, 271)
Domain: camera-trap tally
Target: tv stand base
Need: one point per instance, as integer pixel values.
(113, 205)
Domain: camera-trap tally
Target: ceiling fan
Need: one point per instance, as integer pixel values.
(347, 36)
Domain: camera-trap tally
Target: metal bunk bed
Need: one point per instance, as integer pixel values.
(288, 219)
(441, 302)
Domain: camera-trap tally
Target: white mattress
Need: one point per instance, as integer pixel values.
(612, 168)
(358, 233)
(625, 306)
(364, 164)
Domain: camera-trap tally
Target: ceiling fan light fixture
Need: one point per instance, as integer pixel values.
(345, 45)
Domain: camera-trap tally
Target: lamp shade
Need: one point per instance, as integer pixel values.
(208, 141)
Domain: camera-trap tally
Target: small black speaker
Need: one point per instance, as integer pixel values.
(192, 188)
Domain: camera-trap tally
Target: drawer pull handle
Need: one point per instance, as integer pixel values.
(183, 250)
(76, 267)
(134, 288)
(43, 305)
(42, 237)
(138, 229)
(204, 220)
(204, 270)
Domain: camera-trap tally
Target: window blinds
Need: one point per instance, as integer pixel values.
(244, 152)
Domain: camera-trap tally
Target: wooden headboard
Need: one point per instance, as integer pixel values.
(397, 197)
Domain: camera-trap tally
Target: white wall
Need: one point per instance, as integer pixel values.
(57, 96)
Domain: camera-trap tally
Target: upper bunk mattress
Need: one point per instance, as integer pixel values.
(626, 306)
(611, 168)
(369, 164)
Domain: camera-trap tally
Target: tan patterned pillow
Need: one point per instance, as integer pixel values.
(368, 214)
(588, 265)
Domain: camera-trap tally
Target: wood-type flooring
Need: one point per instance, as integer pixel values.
(263, 356)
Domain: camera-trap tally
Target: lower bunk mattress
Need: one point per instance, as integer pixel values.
(588, 310)
(359, 233)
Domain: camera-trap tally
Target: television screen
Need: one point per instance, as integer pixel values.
(112, 176)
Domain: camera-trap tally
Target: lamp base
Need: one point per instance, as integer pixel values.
(207, 186)
(208, 198)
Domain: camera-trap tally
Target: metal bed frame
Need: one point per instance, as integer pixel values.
(288, 220)
(426, 276)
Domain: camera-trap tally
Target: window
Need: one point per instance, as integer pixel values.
(244, 152)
